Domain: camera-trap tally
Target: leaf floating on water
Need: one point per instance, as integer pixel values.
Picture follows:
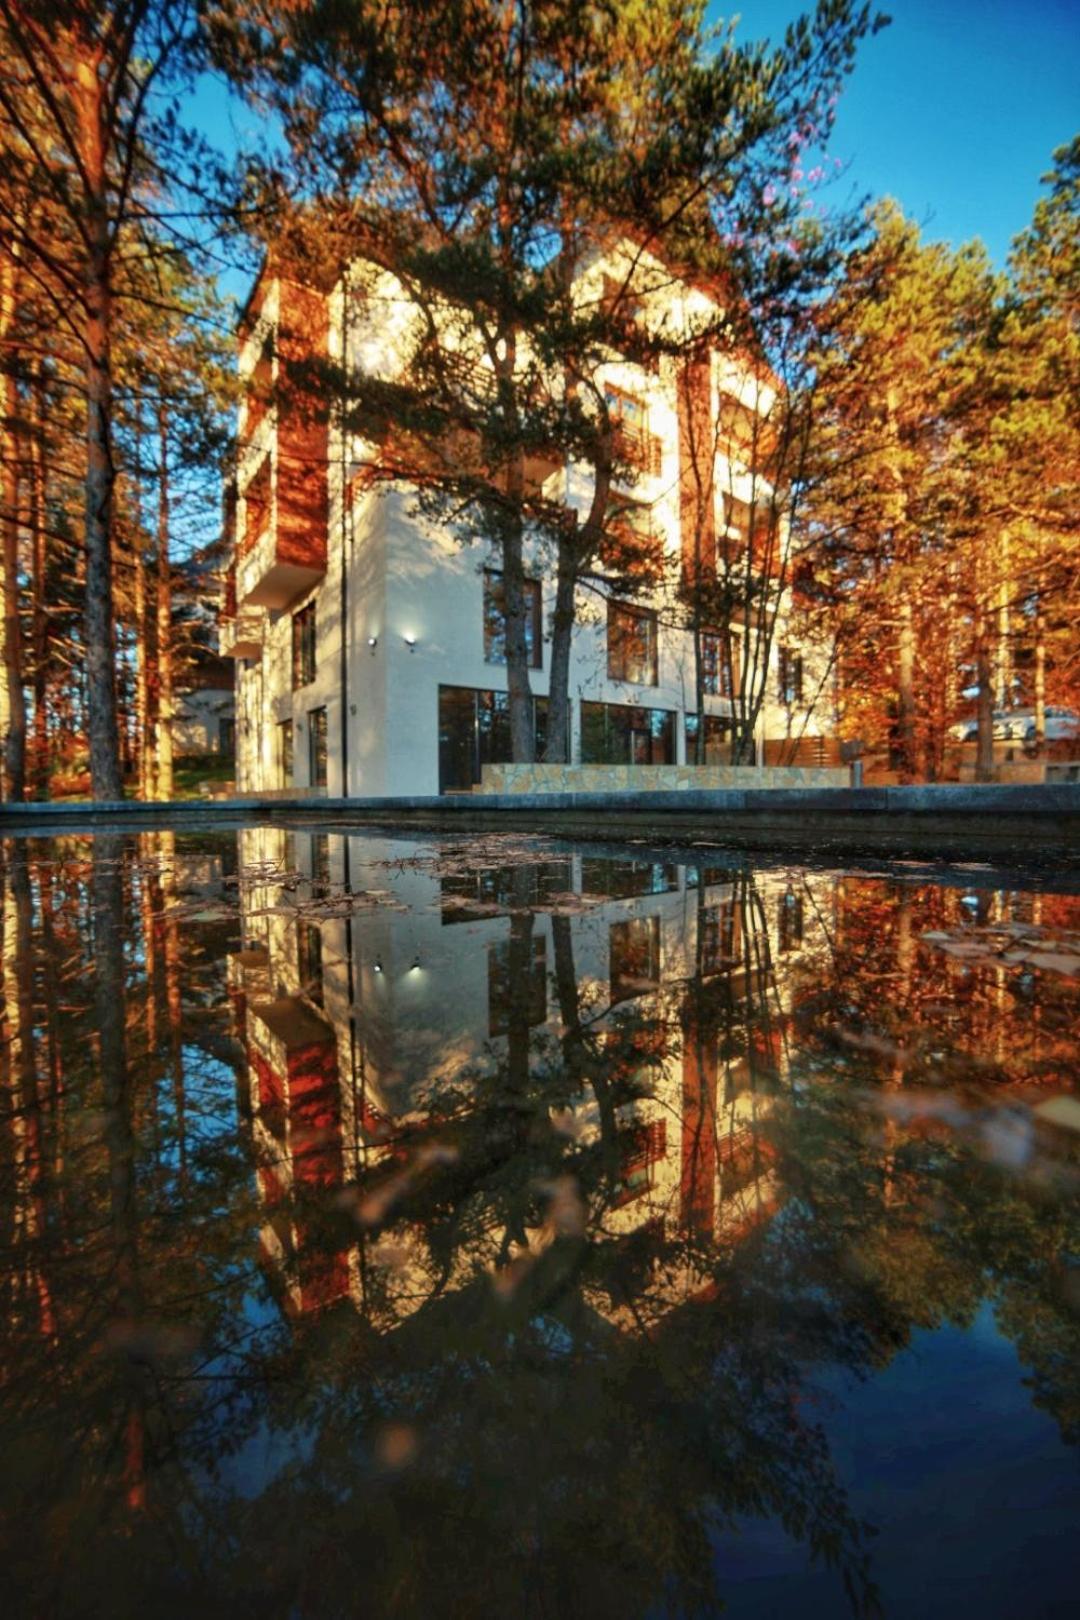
(1063, 1111)
(1056, 962)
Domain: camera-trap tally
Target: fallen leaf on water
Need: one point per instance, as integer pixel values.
(1062, 1111)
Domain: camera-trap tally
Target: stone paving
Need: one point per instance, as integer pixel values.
(514, 779)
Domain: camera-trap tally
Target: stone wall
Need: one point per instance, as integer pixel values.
(655, 778)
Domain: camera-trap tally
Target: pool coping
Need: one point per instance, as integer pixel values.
(1034, 820)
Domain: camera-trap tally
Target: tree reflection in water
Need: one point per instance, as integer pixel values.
(470, 1238)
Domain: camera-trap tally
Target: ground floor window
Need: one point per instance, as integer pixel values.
(474, 730)
(317, 747)
(624, 734)
(718, 731)
(285, 752)
(226, 735)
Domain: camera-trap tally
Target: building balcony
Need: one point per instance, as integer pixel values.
(280, 561)
(639, 449)
(241, 635)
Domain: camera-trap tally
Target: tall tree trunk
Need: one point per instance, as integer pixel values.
(105, 776)
(905, 691)
(984, 676)
(39, 614)
(557, 751)
(1040, 675)
(15, 737)
(144, 752)
(164, 782)
(119, 1139)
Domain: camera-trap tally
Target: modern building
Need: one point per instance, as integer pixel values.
(369, 640)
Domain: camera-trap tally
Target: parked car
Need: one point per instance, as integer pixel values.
(1061, 724)
(1009, 725)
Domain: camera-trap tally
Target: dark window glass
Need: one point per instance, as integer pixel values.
(626, 880)
(495, 620)
(285, 752)
(317, 747)
(790, 676)
(641, 1146)
(718, 947)
(790, 920)
(505, 984)
(719, 673)
(466, 895)
(632, 638)
(623, 734)
(227, 736)
(309, 960)
(634, 955)
(320, 862)
(717, 739)
(474, 730)
(303, 646)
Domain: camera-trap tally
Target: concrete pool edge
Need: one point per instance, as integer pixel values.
(1032, 820)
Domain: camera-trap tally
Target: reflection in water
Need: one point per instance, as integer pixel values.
(487, 1228)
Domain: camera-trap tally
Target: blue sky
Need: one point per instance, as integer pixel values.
(954, 109)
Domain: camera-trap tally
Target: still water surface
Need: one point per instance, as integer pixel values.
(490, 1227)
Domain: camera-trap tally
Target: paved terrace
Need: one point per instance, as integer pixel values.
(1026, 822)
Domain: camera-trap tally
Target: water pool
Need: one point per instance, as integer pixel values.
(496, 1226)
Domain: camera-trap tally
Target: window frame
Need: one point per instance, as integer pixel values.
(631, 610)
(534, 621)
(719, 669)
(304, 632)
(789, 675)
(318, 758)
(286, 752)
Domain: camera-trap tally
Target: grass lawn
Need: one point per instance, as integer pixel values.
(192, 778)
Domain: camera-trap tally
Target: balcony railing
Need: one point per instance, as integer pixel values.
(241, 635)
(639, 448)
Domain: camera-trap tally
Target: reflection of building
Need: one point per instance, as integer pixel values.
(373, 1036)
(370, 646)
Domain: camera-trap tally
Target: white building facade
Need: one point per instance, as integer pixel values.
(367, 638)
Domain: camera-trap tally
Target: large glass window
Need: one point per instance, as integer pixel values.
(632, 643)
(474, 730)
(719, 670)
(626, 880)
(495, 620)
(790, 676)
(624, 734)
(633, 443)
(317, 747)
(516, 988)
(634, 957)
(303, 646)
(717, 739)
(630, 542)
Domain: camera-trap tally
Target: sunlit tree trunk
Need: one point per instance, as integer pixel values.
(1040, 675)
(39, 612)
(15, 738)
(984, 677)
(98, 620)
(164, 783)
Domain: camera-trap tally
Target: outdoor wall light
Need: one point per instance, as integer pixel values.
(415, 965)
(373, 642)
(410, 642)
(377, 967)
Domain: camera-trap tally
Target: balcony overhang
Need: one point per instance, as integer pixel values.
(279, 567)
(241, 636)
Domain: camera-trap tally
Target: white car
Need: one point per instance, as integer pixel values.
(1008, 724)
(1061, 724)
